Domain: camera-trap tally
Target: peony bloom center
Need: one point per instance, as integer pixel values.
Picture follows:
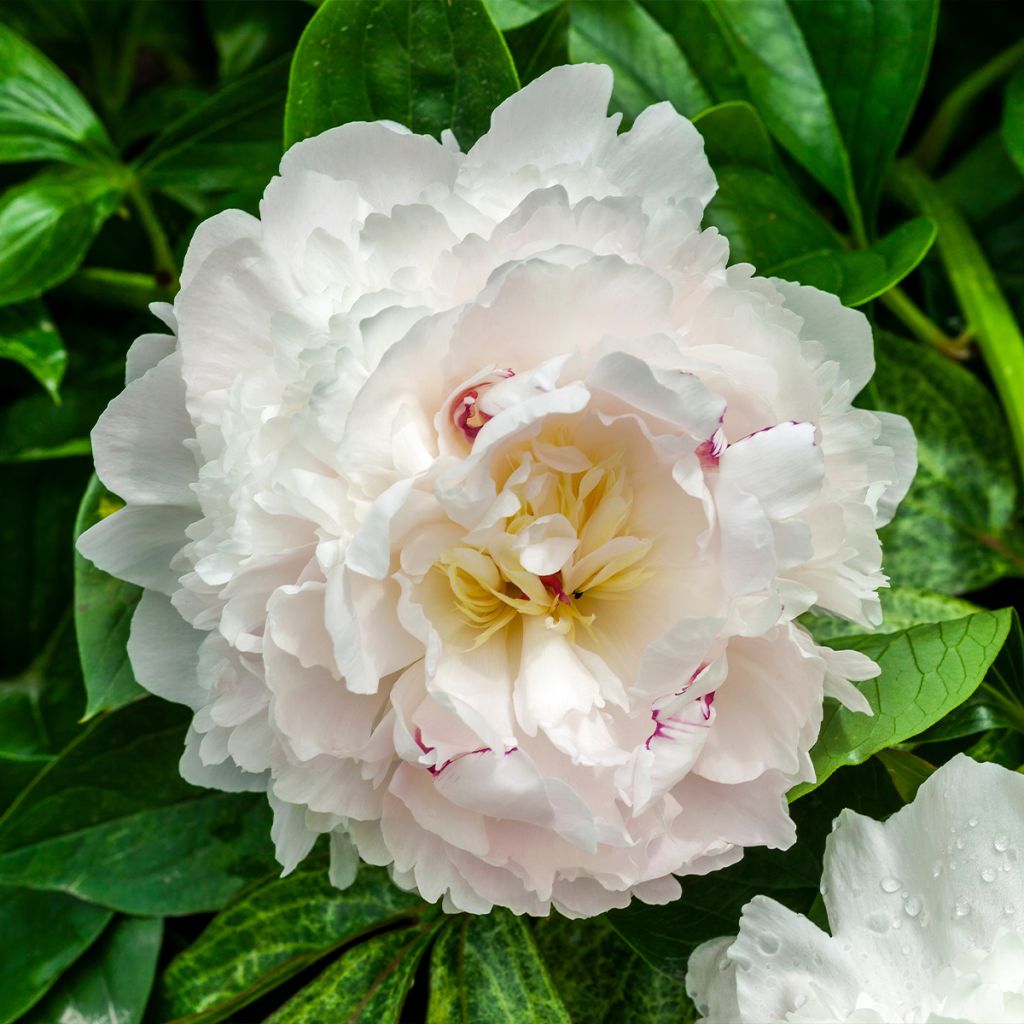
(565, 551)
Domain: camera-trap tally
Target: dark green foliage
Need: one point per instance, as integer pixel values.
(846, 158)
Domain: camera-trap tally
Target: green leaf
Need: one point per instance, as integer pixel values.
(247, 34)
(862, 275)
(951, 532)
(648, 65)
(508, 14)
(906, 770)
(902, 607)
(42, 115)
(46, 227)
(927, 671)
(872, 58)
(37, 512)
(366, 985)
(230, 141)
(699, 36)
(28, 336)
(486, 970)
(765, 221)
(770, 51)
(112, 821)
(734, 134)
(988, 313)
(997, 705)
(104, 606)
(601, 980)
(426, 65)
(983, 181)
(274, 931)
(110, 983)
(1013, 120)
(42, 934)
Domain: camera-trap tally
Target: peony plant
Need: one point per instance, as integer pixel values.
(568, 458)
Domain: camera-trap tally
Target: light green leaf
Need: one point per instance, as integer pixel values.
(46, 227)
(112, 821)
(784, 84)
(927, 671)
(274, 931)
(872, 58)
(366, 985)
(951, 532)
(110, 983)
(861, 275)
(648, 65)
(104, 606)
(486, 970)
(28, 336)
(43, 933)
(509, 14)
(1013, 120)
(426, 65)
(42, 115)
(601, 980)
(902, 607)
(906, 770)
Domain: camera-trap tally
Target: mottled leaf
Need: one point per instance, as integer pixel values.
(274, 931)
(486, 970)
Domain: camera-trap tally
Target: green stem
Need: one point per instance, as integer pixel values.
(164, 265)
(115, 287)
(933, 143)
(986, 309)
(921, 326)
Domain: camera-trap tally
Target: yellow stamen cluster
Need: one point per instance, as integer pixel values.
(491, 588)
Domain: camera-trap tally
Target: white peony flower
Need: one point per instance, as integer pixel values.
(927, 918)
(475, 499)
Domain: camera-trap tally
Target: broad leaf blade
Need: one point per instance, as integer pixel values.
(872, 59)
(29, 337)
(46, 227)
(232, 963)
(104, 606)
(861, 275)
(110, 983)
(112, 821)
(927, 671)
(648, 65)
(1013, 120)
(43, 934)
(426, 65)
(486, 970)
(784, 84)
(42, 115)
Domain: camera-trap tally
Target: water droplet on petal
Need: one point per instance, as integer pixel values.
(768, 944)
(1008, 909)
(878, 922)
(890, 884)
(912, 906)
(1001, 844)
(973, 822)
(962, 907)
(988, 875)
(937, 869)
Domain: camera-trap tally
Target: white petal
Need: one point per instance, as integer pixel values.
(164, 651)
